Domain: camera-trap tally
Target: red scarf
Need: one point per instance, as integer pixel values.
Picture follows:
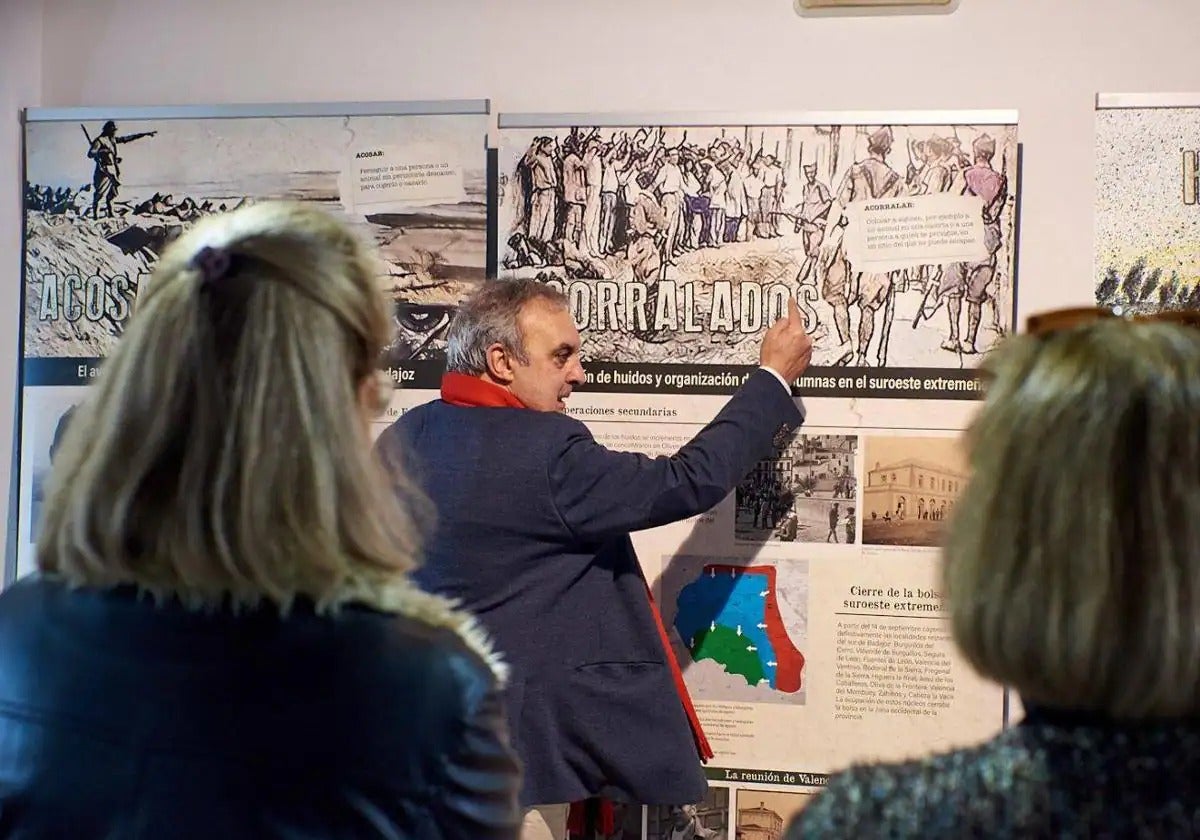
(471, 391)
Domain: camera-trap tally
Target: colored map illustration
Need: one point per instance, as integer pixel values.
(730, 631)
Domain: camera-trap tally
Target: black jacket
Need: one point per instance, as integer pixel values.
(123, 719)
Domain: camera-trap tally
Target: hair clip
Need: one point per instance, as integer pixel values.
(212, 263)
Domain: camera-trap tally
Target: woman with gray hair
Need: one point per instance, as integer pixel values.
(223, 640)
(1072, 569)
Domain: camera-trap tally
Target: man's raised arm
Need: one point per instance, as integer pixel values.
(600, 493)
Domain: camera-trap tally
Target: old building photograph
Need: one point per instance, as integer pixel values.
(911, 485)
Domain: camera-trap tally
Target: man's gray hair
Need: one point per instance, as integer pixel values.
(489, 316)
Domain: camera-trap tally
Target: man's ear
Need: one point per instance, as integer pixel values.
(500, 364)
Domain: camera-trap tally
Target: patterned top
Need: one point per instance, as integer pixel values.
(1057, 774)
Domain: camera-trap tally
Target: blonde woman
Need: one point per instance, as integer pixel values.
(223, 642)
(1073, 573)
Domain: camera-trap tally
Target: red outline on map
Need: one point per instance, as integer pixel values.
(789, 662)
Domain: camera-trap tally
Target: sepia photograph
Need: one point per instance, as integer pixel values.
(911, 486)
(764, 815)
(806, 491)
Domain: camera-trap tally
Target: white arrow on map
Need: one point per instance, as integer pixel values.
(762, 627)
(712, 627)
(751, 647)
(712, 572)
(733, 573)
(772, 663)
(739, 629)
(765, 593)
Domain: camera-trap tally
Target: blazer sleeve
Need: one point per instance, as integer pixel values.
(600, 493)
(483, 776)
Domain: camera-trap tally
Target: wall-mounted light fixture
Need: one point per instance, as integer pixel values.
(866, 7)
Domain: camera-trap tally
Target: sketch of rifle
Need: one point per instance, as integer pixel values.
(931, 288)
(931, 278)
(912, 171)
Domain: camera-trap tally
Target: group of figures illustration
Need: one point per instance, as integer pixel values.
(673, 244)
(649, 227)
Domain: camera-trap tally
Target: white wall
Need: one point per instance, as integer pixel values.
(20, 85)
(1046, 58)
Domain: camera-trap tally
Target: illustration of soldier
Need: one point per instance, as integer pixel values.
(935, 176)
(958, 162)
(617, 168)
(772, 177)
(575, 191)
(648, 225)
(972, 281)
(917, 161)
(810, 220)
(868, 179)
(536, 199)
(915, 179)
(543, 182)
(669, 185)
(106, 178)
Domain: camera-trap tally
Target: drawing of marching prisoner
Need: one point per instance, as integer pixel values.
(682, 244)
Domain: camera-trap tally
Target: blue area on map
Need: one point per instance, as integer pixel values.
(731, 600)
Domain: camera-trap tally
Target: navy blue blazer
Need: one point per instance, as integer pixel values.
(534, 518)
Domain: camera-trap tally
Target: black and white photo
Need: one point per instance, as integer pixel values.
(805, 492)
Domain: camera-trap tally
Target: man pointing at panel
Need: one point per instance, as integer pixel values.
(534, 518)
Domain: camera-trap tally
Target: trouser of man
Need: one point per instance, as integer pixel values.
(545, 822)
